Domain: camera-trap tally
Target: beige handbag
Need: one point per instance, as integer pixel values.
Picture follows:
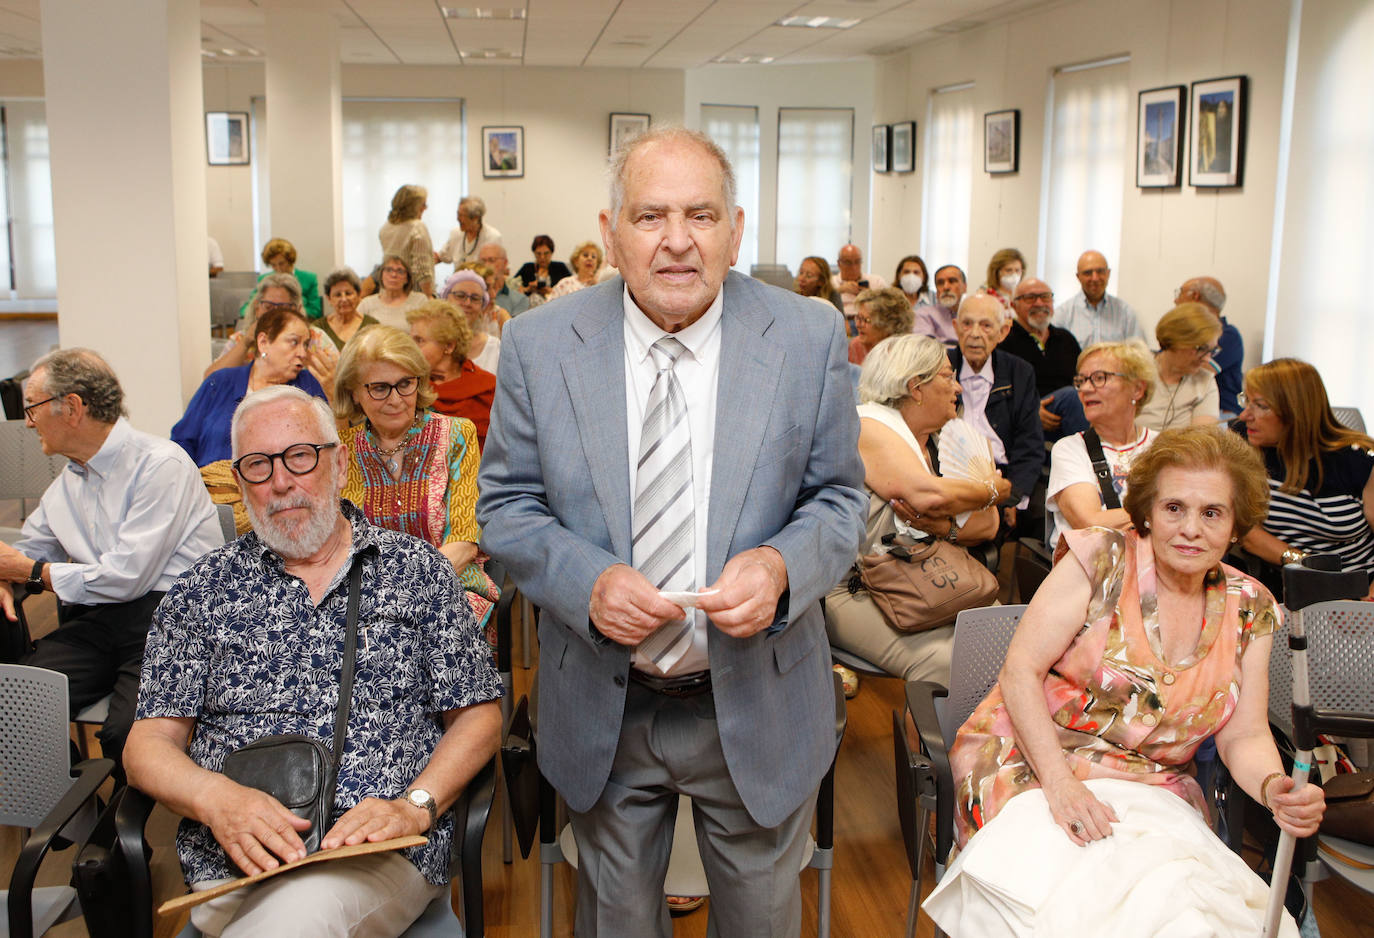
(924, 586)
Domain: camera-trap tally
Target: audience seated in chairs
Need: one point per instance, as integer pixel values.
(914, 281)
(277, 291)
(1053, 352)
(1141, 647)
(1005, 270)
(282, 338)
(214, 679)
(397, 295)
(813, 279)
(908, 392)
(1321, 474)
(586, 262)
(280, 255)
(409, 469)
(1185, 385)
(467, 291)
(1229, 358)
(343, 289)
(1114, 381)
(461, 388)
(509, 295)
(539, 276)
(493, 318)
(877, 315)
(109, 537)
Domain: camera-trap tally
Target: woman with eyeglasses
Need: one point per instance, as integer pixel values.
(409, 469)
(1185, 388)
(461, 388)
(877, 315)
(390, 304)
(1321, 474)
(1114, 382)
(281, 335)
(466, 290)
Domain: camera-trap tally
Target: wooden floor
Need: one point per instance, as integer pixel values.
(871, 878)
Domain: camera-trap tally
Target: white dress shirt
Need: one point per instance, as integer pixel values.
(698, 371)
(130, 521)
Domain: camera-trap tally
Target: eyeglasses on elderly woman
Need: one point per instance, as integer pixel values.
(1097, 379)
(380, 390)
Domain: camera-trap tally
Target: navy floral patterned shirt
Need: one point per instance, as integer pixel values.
(238, 645)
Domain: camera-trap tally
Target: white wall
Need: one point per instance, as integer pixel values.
(565, 113)
(770, 87)
(1167, 235)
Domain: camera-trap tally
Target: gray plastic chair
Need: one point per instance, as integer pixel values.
(924, 781)
(38, 791)
(25, 470)
(1350, 417)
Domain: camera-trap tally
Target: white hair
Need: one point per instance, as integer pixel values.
(895, 361)
(671, 132)
(329, 430)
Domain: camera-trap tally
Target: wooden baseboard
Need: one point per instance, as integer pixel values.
(28, 317)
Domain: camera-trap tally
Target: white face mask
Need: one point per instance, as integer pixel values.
(912, 282)
(1009, 281)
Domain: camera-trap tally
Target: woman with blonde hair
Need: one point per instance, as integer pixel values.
(461, 388)
(1114, 382)
(410, 470)
(1321, 474)
(586, 265)
(405, 236)
(1185, 391)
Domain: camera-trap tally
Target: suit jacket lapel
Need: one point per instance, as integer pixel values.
(595, 376)
(750, 368)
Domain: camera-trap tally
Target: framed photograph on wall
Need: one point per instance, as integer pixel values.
(503, 152)
(1159, 137)
(1001, 142)
(904, 147)
(882, 152)
(226, 138)
(1216, 132)
(625, 127)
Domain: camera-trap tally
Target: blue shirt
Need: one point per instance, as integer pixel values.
(203, 431)
(128, 522)
(1228, 362)
(238, 645)
(1112, 320)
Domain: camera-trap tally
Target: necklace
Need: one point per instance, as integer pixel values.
(392, 458)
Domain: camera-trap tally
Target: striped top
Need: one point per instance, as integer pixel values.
(1331, 521)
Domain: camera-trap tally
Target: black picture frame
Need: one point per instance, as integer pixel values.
(1002, 142)
(1160, 120)
(882, 149)
(226, 138)
(624, 127)
(503, 152)
(1216, 132)
(903, 147)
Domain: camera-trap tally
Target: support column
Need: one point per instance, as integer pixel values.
(305, 132)
(122, 83)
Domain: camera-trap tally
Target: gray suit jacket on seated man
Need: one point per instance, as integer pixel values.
(749, 730)
(249, 643)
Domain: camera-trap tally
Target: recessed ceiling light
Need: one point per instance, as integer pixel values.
(743, 59)
(483, 13)
(228, 52)
(817, 22)
(209, 52)
(488, 54)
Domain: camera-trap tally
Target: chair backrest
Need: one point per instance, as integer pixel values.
(25, 470)
(776, 274)
(35, 755)
(225, 515)
(1350, 417)
(1340, 661)
(981, 637)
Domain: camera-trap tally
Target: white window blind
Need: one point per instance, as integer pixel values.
(1086, 168)
(948, 195)
(28, 264)
(815, 175)
(387, 144)
(736, 129)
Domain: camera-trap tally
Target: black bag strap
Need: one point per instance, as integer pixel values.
(1104, 471)
(355, 586)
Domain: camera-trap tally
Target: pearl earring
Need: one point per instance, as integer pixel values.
(1234, 539)
(1147, 525)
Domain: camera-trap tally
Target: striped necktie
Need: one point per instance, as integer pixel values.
(664, 524)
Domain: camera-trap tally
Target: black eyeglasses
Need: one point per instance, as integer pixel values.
(1097, 378)
(269, 305)
(30, 408)
(380, 390)
(299, 459)
(1036, 297)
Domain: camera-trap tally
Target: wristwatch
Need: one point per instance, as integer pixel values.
(34, 584)
(423, 799)
(952, 535)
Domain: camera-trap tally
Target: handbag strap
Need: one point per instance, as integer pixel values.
(355, 584)
(1101, 468)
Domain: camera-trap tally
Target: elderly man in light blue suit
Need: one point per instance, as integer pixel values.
(684, 430)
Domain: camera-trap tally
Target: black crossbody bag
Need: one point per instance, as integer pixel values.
(1103, 470)
(298, 771)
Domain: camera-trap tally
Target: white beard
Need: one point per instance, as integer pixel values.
(301, 540)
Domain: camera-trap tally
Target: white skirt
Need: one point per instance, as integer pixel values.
(1162, 872)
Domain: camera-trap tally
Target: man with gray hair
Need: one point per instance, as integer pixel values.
(672, 475)
(1229, 358)
(127, 516)
(250, 643)
(509, 297)
(472, 232)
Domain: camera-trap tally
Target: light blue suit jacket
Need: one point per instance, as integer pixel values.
(555, 508)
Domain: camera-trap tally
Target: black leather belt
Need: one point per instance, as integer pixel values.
(685, 685)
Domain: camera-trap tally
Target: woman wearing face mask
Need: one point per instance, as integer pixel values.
(914, 280)
(1005, 271)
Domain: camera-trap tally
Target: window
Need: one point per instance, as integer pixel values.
(948, 195)
(736, 129)
(815, 173)
(388, 143)
(1086, 159)
(28, 249)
